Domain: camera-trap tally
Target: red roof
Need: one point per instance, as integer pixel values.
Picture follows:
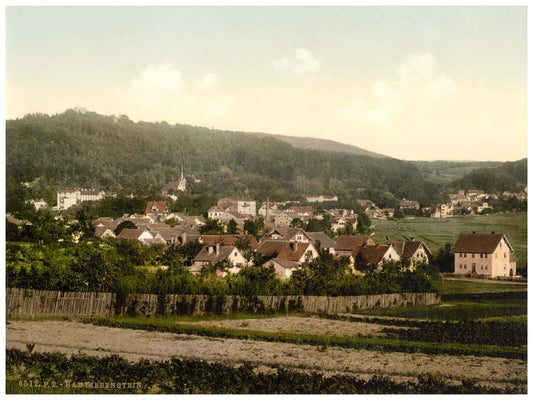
(283, 249)
(156, 207)
(228, 240)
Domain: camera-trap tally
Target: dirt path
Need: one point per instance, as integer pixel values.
(73, 338)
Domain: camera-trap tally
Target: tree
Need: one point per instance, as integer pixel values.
(444, 259)
(398, 213)
(363, 223)
(232, 227)
(212, 227)
(83, 227)
(124, 225)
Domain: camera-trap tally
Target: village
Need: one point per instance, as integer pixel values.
(230, 233)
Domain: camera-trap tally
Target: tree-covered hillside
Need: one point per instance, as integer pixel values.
(114, 153)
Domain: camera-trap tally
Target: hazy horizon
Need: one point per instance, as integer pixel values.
(412, 83)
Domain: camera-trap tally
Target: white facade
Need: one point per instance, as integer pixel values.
(491, 265)
(67, 198)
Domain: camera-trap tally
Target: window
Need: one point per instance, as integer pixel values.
(460, 254)
(235, 254)
(504, 255)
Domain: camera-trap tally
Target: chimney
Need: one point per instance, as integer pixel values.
(294, 246)
(184, 237)
(210, 249)
(217, 249)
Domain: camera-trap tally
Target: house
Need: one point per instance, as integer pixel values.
(104, 232)
(302, 212)
(245, 207)
(212, 254)
(320, 198)
(458, 198)
(374, 212)
(141, 235)
(283, 267)
(228, 240)
(365, 203)
(409, 204)
(283, 220)
(346, 244)
(412, 251)
(326, 243)
(290, 234)
(343, 222)
(284, 249)
(38, 204)
(225, 216)
(105, 222)
(157, 210)
(488, 255)
(369, 257)
(388, 212)
(444, 211)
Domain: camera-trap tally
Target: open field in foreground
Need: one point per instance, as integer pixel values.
(437, 232)
(354, 345)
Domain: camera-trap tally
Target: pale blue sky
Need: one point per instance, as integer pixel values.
(382, 78)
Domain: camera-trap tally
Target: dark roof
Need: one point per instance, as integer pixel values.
(351, 242)
(283, 249)
(172, 185)
(407, 248)
(223, 253)
(228, 240)
(325, 241)
(478, 243)
(285, 232)
(100, 230)
(282, 262)
(372, 254)
(130, 233)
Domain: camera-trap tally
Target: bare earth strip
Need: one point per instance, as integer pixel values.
(309, 325)
(73, 338)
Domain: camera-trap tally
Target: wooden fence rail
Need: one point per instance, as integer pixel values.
(46, 303)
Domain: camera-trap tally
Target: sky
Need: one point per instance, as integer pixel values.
(415, 83)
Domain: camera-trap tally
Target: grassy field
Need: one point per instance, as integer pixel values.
(437, 232)
(451, 287)
(515, 309)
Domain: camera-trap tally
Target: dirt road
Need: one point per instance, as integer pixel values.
(73, 338)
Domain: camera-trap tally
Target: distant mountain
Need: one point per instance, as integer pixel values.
(323, 144)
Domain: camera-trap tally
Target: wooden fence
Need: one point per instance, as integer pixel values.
(45, 303)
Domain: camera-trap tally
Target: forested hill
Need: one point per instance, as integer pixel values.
(322, 144)
(113, 153)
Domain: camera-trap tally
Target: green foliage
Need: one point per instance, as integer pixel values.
(124, 225)
(398, 213)
(62, 148)
(444, 259)
(212, 227)
(194, 377)
(232, 228)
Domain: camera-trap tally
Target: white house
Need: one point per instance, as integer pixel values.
(215, 253)
(489, 255)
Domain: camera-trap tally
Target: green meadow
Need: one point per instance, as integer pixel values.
(437, 232)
